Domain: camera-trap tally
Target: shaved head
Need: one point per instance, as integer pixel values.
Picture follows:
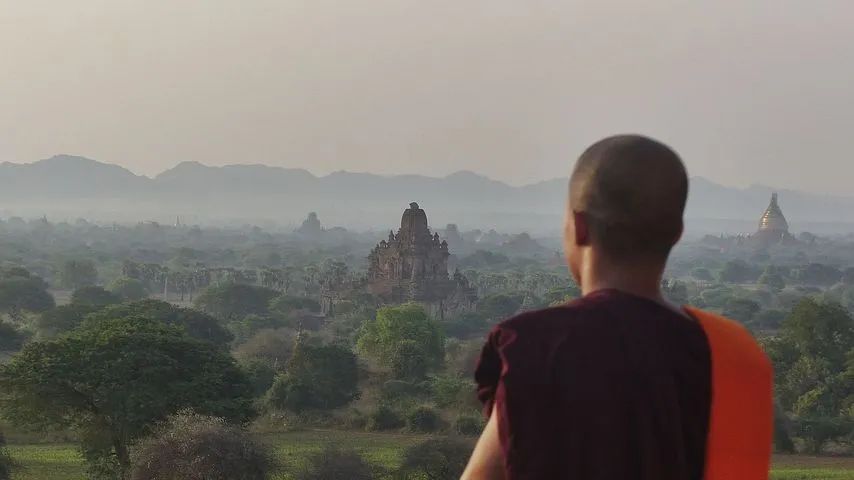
(631, 191)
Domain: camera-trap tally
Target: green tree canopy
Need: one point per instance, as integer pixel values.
(232, 301)
(197, 324)
(113, 379)
(499, 306)
(21, 291)
(739, 271)
(813, 355)
(320, 377)
(819, 274)
(94, 296)
(287, 304)
(11, 339)
(129, 289)
(741, 309)
(273, 347)
(62, 319)
(381, 335)
(74, 274)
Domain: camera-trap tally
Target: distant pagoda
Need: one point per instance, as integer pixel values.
(412, 265)
(773, 227)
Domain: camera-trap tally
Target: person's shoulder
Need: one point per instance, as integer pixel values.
(546, 319)
(730, 341)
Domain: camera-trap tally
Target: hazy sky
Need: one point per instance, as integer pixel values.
(747, 90)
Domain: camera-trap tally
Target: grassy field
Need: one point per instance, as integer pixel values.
(62, 461)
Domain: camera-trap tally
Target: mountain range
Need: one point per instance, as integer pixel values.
(67, 187)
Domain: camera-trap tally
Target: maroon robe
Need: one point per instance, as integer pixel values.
(609, 387)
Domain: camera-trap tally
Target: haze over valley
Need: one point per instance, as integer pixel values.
(65, 188)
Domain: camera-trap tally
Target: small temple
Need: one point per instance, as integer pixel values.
(412, 265)
(773, 227)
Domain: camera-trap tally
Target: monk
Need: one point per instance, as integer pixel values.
(620, 384)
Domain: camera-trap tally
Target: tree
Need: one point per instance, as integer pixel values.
(230, 301)
(11, 339)
(62, 319)
(769, 319)
(251, 324)
(94, 297)
(260, 374)
(196, 324)
(192, 446)
(465, 325)
(318, 377)
(110, 381)
(129, 289)
(436, 459)
(561, 295)
(285, 305)
(336, 463)
(74, 274)
(738, 271)
(818, 431)
(702, 274)
(408, 361)
(380, 336)
(675, 291)
(499, 306)
(819, 274)
(772, 280)
(22, 292)
(273, 347)
(741, 309)
(813, 355)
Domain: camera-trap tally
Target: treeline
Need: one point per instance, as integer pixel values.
(115, 370)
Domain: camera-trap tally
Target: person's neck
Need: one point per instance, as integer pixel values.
(639, 279)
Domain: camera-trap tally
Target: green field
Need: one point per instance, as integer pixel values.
(62, 461)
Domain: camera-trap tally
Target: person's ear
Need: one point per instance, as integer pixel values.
(581, 229)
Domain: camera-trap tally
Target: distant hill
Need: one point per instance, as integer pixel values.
(68, 186)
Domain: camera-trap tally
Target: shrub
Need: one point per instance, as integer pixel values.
(394, 390)
(453, 391)
(196, 447)
(436, 459)
(468, 425)
(384, 418)
(423, 419)
(336, 463)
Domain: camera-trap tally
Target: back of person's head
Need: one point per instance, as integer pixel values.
(630, 192)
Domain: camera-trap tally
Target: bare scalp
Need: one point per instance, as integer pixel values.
(632, 191)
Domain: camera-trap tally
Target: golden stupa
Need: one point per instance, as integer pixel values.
(773, 227)
(773, 219)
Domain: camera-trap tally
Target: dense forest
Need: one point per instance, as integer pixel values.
(141, 342)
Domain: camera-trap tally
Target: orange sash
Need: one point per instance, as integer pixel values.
(742, 414)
